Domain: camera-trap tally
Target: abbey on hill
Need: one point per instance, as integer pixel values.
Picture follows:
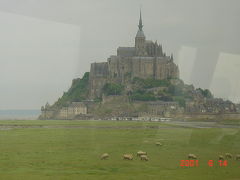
(145, 60)
(140, 81)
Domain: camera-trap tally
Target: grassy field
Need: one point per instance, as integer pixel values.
(60, 151)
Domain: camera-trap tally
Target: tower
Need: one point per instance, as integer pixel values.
(140, 39)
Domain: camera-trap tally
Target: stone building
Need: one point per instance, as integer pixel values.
(77, 108)
(164, 109)
(73, 110)
(69, 112)
(145, 60)
(214, 106)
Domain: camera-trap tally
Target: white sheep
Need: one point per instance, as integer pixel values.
(228, 156)
(104, 156)
(158, 144)
(139, 153)
(192, 156)
(144, 158)
(128, 156)
(220, 157)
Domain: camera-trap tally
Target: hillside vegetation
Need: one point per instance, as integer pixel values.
(140, 90)
(77, 92)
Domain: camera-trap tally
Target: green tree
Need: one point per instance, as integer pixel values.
(112, 89)
(142, 95)
(206, 93)
(181, 101)
(150, 82)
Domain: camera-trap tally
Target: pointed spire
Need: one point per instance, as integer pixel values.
(140, 25)
(140, 33)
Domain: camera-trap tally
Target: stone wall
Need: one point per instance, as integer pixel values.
(98, 78)
(143, 67)
(69, 112)
(166, 69)
(114, 99)
(118, 69)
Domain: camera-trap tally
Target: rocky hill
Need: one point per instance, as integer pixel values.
(136, 97)
(139, 81)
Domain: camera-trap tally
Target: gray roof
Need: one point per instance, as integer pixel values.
(127, 48)
(126, 51)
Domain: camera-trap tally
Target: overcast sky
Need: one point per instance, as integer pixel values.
(44, 44)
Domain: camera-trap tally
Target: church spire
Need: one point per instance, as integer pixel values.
(140, 25)
(140, 33)
(140, 45)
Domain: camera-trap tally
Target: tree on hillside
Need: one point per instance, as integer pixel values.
(112, 89)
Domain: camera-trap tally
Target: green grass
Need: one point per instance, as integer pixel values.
(73, 153)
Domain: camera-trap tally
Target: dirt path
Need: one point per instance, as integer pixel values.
(172, 125)
(201, 124)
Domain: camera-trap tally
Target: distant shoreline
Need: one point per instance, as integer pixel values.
(13, 114)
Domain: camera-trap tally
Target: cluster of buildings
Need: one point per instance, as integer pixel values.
(145, 60)
(214, 105)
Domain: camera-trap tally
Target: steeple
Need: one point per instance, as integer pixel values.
(140, 39)
(140, 32)
(140, 25)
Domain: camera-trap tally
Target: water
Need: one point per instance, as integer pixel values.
(19, 114)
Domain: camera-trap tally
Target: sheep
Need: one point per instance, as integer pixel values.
(228, 156)
(104, 156)
(238, 157)
(144, 158)
(220, 157)
(139, 153)
(128, 156)
(192, 156)
(158, 144)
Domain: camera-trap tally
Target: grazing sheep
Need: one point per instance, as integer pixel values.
(139, 153)
(238, 157)
(220, 157)
(128, 156)
(192, 156)
(104, 156)
(144, 158)
(228, 156)
(158, 144)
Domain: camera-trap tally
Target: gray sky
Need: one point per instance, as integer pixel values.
(44, 44)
